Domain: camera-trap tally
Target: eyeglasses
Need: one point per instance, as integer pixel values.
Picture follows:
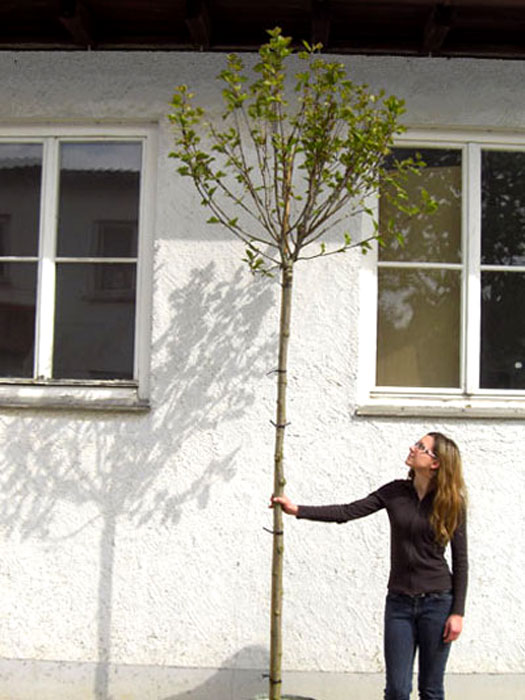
(419, 446)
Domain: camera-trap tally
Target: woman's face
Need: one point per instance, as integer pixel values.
(421, 454)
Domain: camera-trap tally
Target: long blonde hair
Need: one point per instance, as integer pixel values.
(450, 497)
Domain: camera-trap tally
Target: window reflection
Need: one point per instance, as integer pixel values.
(98, 219)
(99, 182)
(419, 309)
(20, 181)
(94, 332)
(503, 208)
(17, 320)
(502, 331)
(428, 237)
(418, 328)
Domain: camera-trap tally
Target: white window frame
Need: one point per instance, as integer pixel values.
(132, 395)
(469, 399)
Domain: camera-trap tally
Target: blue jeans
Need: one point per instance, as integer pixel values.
(416, 622)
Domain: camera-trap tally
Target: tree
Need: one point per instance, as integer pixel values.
(287, 165)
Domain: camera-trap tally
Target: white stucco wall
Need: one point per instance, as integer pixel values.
(138, 539)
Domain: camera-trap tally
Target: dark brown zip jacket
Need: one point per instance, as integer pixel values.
(417, 561)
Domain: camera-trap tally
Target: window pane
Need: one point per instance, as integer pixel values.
(502, 331)
(503, 208)
(99, 199)
(435, 237)
(94, 323)
(418, 328)
(17, 319)
(20, 180)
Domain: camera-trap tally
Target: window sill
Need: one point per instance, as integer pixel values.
(72, 396)
(444, 407)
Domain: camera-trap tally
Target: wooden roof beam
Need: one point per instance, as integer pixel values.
(437, 27)
(198, 22)
(77, 19)
(320, 22)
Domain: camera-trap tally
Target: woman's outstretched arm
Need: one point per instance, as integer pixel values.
(332, 513)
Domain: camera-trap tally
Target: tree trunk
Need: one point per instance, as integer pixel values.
(278, 487)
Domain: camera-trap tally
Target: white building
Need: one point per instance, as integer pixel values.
(136, 467)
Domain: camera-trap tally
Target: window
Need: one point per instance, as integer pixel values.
(73, 265)
(449, 334)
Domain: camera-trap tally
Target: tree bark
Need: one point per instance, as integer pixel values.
(278, 487)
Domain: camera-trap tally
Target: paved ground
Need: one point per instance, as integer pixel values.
(50, 680)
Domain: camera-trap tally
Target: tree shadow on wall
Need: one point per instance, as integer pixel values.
(100, 468)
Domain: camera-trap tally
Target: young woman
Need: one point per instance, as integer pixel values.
(426, 601)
